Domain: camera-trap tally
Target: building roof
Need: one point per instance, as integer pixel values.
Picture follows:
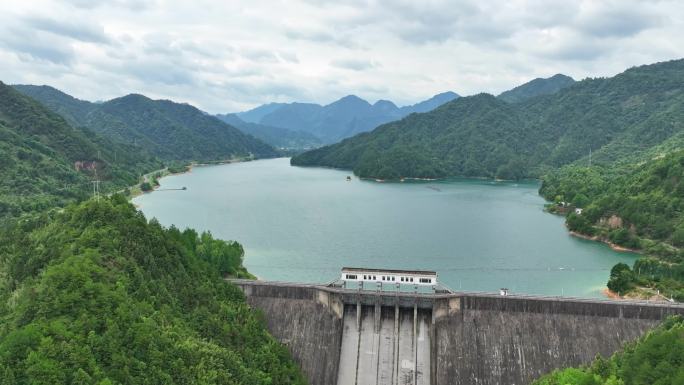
(389, 271)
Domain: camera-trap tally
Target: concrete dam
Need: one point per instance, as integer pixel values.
(356, 337)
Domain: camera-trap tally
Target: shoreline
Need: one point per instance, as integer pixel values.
(136, 191)
(420, 179)
(612, 245)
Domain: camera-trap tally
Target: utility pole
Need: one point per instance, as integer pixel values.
(96, 190)
(589, 156)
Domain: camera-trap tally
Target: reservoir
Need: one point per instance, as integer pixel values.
(304, 224)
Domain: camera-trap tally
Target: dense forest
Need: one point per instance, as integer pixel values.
(638, 206)
(170, 131)
(44, 162)
(619, 119)
(656, 359)
(96, 294)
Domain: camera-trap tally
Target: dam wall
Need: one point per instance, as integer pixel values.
(347, 337)
(308, 321)
(506, 340)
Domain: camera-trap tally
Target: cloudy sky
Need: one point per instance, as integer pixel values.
(229, 55)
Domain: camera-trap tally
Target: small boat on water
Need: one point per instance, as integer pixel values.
(348, 178)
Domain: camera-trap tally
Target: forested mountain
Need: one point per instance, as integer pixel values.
(420, 146)
(168, 130)
(623, 117)
(96, 294)
(639, 206)
(338, 120)
(655, 359)
(275, 136)
(45, 162)
(536, 87)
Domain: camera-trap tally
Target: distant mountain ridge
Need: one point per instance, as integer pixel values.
(537, 87)
(275, 136)
(623, 118)
(168, 130)
(341, 119)
(256, 114)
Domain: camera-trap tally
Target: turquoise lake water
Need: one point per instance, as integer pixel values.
(304, 224)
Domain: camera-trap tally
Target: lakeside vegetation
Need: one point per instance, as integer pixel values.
(637, 206)
(96, 294)
(655, 359)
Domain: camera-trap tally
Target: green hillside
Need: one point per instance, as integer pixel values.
(432, 145)
(537, 87)
(96, 294)
(623, 117)
(656, 359)
(39, 155)
(168, 130)
(639, 206)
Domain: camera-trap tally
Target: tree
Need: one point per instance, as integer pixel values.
(146, 186)
(621, 278)
(678, 236)
(579, 223)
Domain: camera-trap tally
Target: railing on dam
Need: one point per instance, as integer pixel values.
(390, 297)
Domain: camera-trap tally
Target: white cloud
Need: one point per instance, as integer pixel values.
(354, 64)
(228, 56)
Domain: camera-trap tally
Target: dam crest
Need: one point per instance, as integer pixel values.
(348, 336)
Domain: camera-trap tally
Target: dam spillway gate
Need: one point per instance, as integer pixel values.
(384, 345)
(352, 337)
